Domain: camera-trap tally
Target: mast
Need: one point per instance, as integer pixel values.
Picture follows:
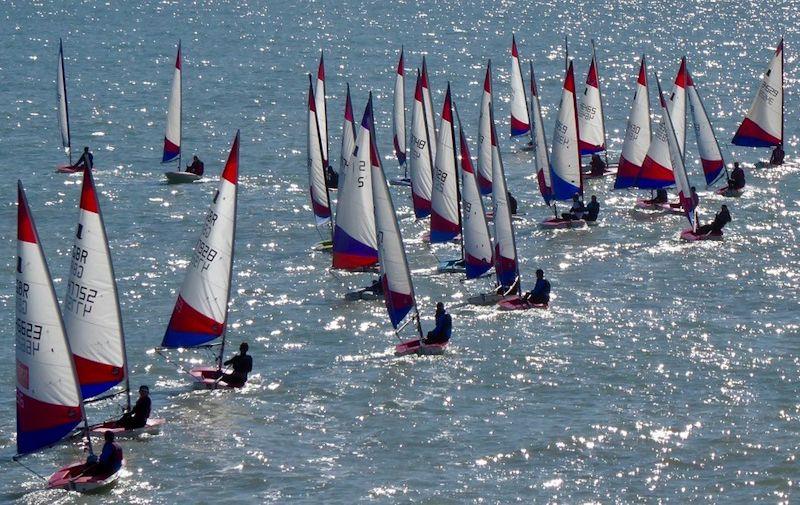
(783, 93)
(180, 125)
(66, 102)
(234, 153)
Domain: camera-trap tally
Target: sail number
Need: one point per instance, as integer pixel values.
(211, 220)
(204, 254)
(419, 144)
(29, 336)
(441, 178)
(587, 112)
(633, 131)
(561, 134)
(768, 93)
(79, 256)
(362, 169)
(80, 299)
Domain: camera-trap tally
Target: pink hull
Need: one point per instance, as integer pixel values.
(414, 347)
(671, 208)
(517, 303)
(207, 377)
(66, 169)
(690, 236)
(557, 222)
(725, 191)
(152, 426)
(72, 478)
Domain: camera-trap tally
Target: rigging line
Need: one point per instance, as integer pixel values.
(26, 467)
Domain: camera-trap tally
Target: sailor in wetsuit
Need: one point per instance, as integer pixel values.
(592, 210)
(540, 294)
(736, 179)
(242, 365)
(661, 197)
(598, 166)
(577, 209)
(777, 155)
(331, 177)
(444, 327)
(722, 218)
(196, 167)
(512, 203)
(110, 460)
(86, 159)
(137, 417)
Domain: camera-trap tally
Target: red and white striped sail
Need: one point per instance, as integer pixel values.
(322, 109)
(541, 156)
(565, 167)
(520, 122)
(354, 240)
(318, 189)
(172, 134)
(637, 134)
(399, 112)
(710, 153)
(421, 149)
(63, 107)
(485, 135)
(49, 403)
(676, 160)
(506, 266)
(677, 104)
(91, 306)
(763, 124)
(590, 114)
(398, 290)
(429, 117)
(445, 218)
(478, 255)
(348, 133)
(201, 312)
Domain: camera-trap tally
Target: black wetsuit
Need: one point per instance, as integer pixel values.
(242, 365)
(331, 178)
(777, 156)
(592, 210)
(441, 333)
(196, 168)
(540, 293)
(137, 417)
(85, 160)
(512, 204)
(722, 218)
(598, 166)
(737, 179)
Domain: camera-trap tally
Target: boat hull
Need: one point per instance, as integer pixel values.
(517, 303)
(363, 294)
(691, 236)
(730, 192)
(207, 377)
(414, 347)
(152, 427)
(72, 478)
(455, 266)
(555, 223)
(181, 177)
(324, 246)
(669, 208)
(401, 181)
(487, 299)
(66, 169)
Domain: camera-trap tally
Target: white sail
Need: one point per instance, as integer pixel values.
(445, 218)
(63, 107)
(590, 114)
(172, 135)
(541, 156)
(399, 112)
(348, 134)
(91, 306)
(520, 122)
(763, 124)
(710, 153)
(430, 119)
(322, 108)
(421, 150)
(565, 167)
(320, 201)
(485, 135)
(637, 134)
(506, 266)
(49, 403)
(677, 105)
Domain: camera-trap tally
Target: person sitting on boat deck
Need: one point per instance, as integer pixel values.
(592, 210)
(577, 209)
(110, 460)
(242, 365)
(540, 294)
(376, 287)
(138, 415)
(196, 167)
(512, 203)
(695, 198)
(331, 177)
(444, 327)
(598, 166)
(722, 218)
(777, 155)
(736, 179)
(86, 159)
(660, 198)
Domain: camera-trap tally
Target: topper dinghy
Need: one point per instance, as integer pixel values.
(317, 182)
(174, 129)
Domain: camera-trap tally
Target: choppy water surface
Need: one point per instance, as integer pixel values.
(664, 372)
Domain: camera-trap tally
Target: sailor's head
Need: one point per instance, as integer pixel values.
(724, 207)
(144, 391)
(575, 197)
(594, 198)
(86, 149)
(194, 158)
(108, 436)
(735, 164)
(539, 273)
(243, 347)
(439, 307)
(694, 190)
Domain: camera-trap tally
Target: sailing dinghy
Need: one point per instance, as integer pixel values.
(317, 183)
(395, 276)
(485, 134)
(520, 120)
(399, 122)
(421, 149)
(565, 165)
(92, 316)
(541, 156)
(49, 400)
(763, 124)
(637, 134)
(174, 129)
(591, 117)
(63, 112)
(201, 312)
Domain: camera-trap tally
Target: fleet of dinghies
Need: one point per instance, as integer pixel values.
(69, 356)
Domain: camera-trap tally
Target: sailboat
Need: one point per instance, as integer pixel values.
(763, 124)
(520, 122)
(688, 201)
(485, 134)
(92, 316)
(541, 156)
(322, 117)
(421, 150)
(565, 163)
(656, 172)
(399, 121)
(395, 276)
(710, 153)
(591, 116)
(63, 111)
(637, 134)
(200, 315)
(317, 184)
(445, 197)
(174, 129)
(49, 400)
